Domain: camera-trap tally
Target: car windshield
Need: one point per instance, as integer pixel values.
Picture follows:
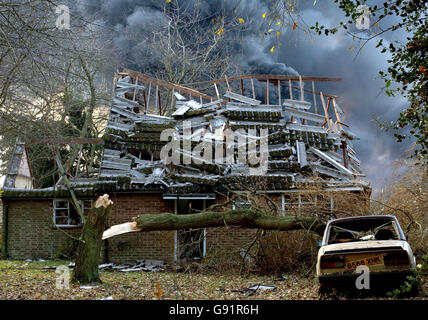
(363, 230)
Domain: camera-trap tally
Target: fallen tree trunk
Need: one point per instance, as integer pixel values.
(242, 217)
(89, 248)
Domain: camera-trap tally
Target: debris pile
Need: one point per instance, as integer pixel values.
(301, 144)
(139, 265)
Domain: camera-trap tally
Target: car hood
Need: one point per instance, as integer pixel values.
(371, 244)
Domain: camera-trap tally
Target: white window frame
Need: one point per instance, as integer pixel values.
(82, 205)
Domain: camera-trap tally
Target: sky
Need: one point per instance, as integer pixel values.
(360, 91)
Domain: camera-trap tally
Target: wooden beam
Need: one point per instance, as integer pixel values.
(227, 83)
(345, 156)
(148, 95)
(314, 97)
(145, 101)
(264, 77)
(135, 89)
(167, 85)
(160, 103)
(216, 91)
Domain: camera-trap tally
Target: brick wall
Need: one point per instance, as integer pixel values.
(31, 233)
(158, 245)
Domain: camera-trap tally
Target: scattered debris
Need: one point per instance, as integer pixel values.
(262, 287)
(139, 265)
(253, 289)
(89, 287)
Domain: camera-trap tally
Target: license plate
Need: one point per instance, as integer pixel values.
(367, 261)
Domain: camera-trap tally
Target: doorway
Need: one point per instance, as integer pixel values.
(190, 243)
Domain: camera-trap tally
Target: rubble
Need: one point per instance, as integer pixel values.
(298, 137)
(140, 265)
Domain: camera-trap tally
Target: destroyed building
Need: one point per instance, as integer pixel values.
(309, 165)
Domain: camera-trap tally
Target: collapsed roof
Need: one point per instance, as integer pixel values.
(303, 145)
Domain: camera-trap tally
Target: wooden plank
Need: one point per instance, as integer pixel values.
(302, 95)
(327, 171)
(180, 111)
(157, 97)
(337, 114)
(112, 152)
(160, 103)
(179, 96)
(304, 114)
(314, 97)
(325, 109)
(279, 92)
(212, 103)
(117, 159)
(113, 173)
(297, 104)
(172, 98)
(119, 126)
(124, 103)
(240, 98)
(145, 100)
(227, 83)
(114, 165)
(135, 90)
(331, 161)
(216, 91)
(165, 84)
(124, 113)
(252, 89)
(148, 96)
(264, 77)
(290, 90)
(345, 156)
(301, 153)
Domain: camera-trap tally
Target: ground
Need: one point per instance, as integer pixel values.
(27, 280)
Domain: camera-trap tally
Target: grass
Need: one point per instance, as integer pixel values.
(27, 280)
